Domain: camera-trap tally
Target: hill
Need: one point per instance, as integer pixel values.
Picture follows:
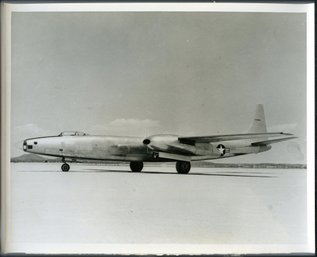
(33, 158)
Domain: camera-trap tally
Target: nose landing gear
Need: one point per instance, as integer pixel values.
(65, 166)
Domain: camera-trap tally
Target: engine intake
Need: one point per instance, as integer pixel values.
(146, 141)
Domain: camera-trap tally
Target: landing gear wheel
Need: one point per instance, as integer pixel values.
(65, 167)
(136, 166)
(183, 167)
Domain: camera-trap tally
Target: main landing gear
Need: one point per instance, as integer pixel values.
(65, 167)
(183, 167)
(136, 166)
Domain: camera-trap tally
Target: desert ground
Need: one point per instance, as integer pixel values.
(97, 205)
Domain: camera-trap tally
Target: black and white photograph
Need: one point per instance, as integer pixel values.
(158, 128)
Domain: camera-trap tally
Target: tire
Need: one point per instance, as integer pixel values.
(65, 167)
(183, 167)
(136, 166)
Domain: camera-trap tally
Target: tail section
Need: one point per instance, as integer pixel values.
(258, 125)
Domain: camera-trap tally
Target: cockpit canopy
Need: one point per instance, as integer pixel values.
(72, 133)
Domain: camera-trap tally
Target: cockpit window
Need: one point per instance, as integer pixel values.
(73, 133)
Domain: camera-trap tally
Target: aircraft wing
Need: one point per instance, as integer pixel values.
(267, 142)
(219, 138)
(179, 149)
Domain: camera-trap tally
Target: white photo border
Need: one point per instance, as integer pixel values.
(153, 248)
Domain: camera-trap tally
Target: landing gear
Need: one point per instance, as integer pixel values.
(65, 167)
(136, 166)
(183, 167)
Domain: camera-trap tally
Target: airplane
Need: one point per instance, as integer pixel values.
(73, 145)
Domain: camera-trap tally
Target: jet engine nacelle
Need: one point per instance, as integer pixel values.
(160, 142)
(169, 144)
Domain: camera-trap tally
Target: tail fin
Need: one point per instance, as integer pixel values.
(258, 125)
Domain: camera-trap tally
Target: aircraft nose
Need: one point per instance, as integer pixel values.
(26, 145)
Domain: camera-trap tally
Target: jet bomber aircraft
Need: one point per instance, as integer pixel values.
(71, 146)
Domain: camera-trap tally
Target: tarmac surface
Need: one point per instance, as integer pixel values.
(98, 204)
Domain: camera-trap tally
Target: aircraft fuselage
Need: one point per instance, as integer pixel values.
(132, 148)
(91, 147)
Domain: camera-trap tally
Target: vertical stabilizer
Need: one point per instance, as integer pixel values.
(258, 125)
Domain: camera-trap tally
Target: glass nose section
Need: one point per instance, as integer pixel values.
(26, 145)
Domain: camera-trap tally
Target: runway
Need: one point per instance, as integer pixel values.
(98, 204)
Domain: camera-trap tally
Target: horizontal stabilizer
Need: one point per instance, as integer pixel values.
(220, 138)
(267, 142)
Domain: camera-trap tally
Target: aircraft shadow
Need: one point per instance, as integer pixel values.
(229, 174)
(224, 174)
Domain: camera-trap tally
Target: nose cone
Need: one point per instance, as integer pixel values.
(27, 145)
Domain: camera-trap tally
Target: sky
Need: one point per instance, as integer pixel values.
(140, 74)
